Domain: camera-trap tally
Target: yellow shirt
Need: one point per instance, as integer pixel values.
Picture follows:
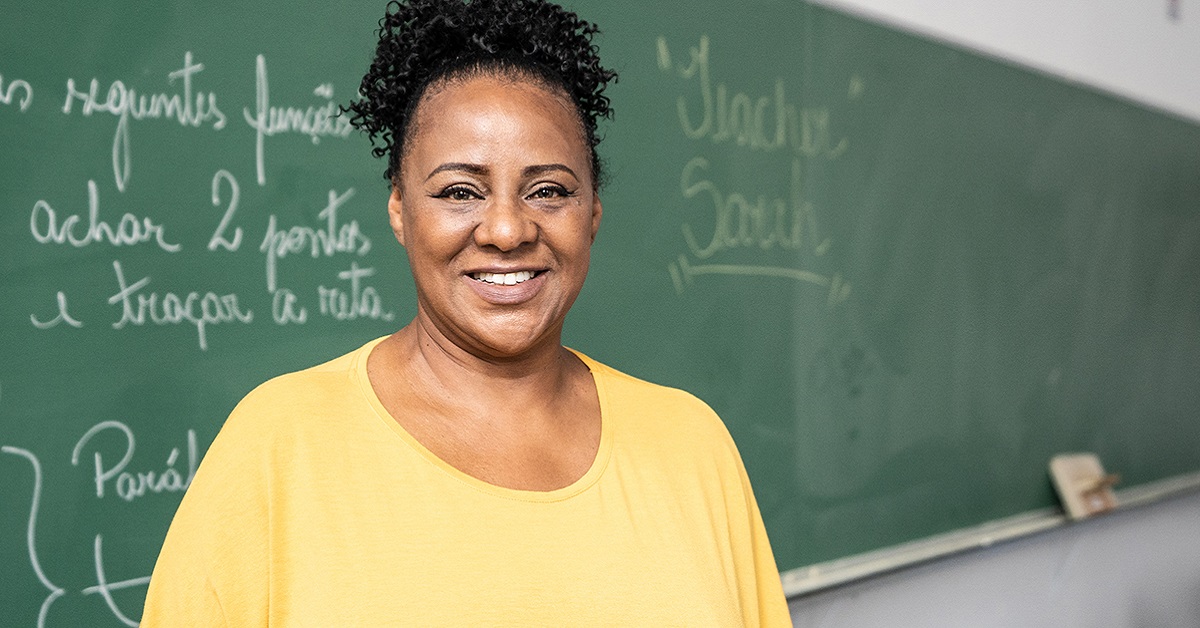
(313, 507)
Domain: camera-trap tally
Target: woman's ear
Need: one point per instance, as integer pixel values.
(396, 214)
(597, 211)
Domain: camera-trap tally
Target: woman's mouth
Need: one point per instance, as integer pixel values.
(506, 288)
(505, 279)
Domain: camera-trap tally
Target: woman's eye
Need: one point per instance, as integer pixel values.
(457, 193)
(549, 192)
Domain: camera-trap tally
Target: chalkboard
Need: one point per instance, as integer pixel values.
(905, 275)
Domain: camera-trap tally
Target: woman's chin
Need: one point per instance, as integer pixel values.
(510, 345)
(505, 339)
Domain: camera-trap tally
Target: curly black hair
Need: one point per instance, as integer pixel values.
(422, 42)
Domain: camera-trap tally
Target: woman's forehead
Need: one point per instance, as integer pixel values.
(487, 109)
(514, 84)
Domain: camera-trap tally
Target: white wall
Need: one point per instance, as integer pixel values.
(1144, 50)
(1135, 568)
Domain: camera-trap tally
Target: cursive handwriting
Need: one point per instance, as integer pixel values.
(764, 223)
(138, 308)
(285, 308)
(267, 121)
(103, 586)
(63, 316)
(6, 95)
(130, 230)
(761, 224)
(360, 302)
(335, 238)
(767, 123)
(744, 120)
(130, 486)
(126, 103)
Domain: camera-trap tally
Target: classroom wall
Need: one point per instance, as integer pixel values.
(996, 584)
(1144, 50)
(1134, 568)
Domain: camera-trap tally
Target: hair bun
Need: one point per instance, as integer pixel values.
(423, 41)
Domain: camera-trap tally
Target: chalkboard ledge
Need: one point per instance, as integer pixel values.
(830, 574)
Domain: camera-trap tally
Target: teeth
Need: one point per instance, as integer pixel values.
(504, 279)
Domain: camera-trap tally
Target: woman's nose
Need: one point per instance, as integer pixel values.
(506, 225)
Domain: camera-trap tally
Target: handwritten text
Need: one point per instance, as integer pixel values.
(126, 103)
(45, 226)
(7, 93)
(139, 308)
(267, 121)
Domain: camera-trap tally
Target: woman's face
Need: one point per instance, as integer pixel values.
(496, 207)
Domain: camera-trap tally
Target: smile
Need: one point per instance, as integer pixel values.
(504, 279)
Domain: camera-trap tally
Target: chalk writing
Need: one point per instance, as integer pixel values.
(6, 93)
(130, 230)
(360, 302)
(169, 256)
(138, 308)
(682, 271)
(285, 309)
(267, 121)
(126, 103)
(63, 316)
(218, 239)
(743, 119)
(55, 591)
(129, 486)
(769, 124)
(334, 238)
(105, 588)
(739, 222)
(347, 238)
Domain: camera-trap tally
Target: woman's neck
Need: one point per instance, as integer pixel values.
(530, 422)
(467, 376)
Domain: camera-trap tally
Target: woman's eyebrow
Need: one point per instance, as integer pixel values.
(532, 171)
(458, 166)
(480, 170)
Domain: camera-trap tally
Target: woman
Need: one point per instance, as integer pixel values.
(469, 469)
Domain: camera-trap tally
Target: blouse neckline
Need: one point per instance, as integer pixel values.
(586, 481)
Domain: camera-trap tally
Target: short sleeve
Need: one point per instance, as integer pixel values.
(213, 566)
(769, 601)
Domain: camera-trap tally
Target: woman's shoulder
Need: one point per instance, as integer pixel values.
(658, 411)
(623, 385)
(305, 382)
(291, 401)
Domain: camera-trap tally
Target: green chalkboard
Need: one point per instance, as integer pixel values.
(905, 275)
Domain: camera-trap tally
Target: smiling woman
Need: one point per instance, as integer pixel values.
(496, 181)
(469, 469)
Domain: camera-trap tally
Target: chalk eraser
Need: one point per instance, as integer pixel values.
(1082, 485)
